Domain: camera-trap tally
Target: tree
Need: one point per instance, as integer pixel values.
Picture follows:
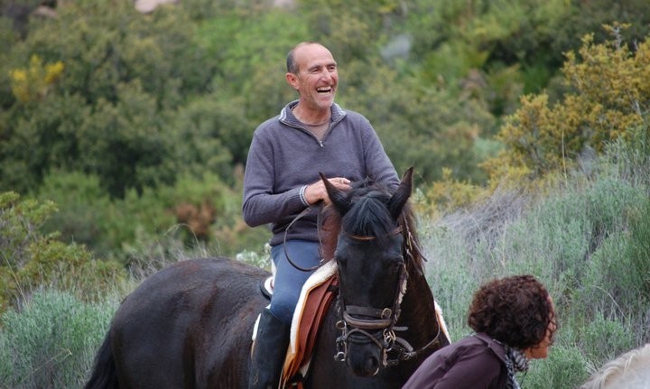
(31, 259)
(119, 78)
(610, 94)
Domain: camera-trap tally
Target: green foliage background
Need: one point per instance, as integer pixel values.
(526, 121)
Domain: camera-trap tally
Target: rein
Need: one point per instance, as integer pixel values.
(286, 232)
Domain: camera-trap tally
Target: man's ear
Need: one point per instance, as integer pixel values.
(292, 80)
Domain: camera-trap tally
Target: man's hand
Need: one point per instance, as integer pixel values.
(316, 192)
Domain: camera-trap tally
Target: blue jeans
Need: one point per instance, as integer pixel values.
(289, 280)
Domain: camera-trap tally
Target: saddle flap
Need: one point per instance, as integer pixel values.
(312, 306)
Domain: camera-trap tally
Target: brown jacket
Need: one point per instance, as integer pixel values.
(474, 362)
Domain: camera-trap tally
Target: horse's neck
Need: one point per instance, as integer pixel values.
(630, 370)
(329, 232)
(418, 300)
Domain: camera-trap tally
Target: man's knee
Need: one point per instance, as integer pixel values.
(283, 311)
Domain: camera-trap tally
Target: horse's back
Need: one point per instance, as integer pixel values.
(188, 326)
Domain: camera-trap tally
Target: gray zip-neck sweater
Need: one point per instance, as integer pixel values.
(284, 156)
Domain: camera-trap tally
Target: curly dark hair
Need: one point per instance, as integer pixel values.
(514, 310)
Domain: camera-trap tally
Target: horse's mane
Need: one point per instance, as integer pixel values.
(369, 216)
(631, 370)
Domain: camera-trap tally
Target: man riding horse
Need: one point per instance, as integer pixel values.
(309, 136)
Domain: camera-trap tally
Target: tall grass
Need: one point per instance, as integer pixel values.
(51, 341)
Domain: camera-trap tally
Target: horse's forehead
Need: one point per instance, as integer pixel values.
(368, 248)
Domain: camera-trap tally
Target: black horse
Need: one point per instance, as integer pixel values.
(190, 324)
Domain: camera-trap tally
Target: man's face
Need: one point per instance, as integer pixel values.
(317, 76)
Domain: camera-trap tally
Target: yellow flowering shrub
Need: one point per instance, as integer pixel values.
(447, 194)
(610, 91)
(32, 84)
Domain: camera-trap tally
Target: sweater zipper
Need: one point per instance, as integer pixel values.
(329, 128)
(320, 142)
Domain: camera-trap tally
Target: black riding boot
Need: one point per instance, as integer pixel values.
(269, 352)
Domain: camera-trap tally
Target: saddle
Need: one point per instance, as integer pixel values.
(315, 299)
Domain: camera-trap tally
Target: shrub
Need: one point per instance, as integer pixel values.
(565, 368)
(638, 250)
(605, 338)
(32, 259)
(51, 341)
(611, 91)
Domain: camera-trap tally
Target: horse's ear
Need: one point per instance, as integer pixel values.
(402, 194)
(337, 197)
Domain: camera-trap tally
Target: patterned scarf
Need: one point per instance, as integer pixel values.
(515, 362)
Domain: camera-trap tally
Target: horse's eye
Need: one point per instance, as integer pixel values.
(396, 263)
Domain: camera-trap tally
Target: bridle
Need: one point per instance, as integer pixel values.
(380, 328)
(378, 325)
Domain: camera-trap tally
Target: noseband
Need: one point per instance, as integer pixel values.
(380, 327)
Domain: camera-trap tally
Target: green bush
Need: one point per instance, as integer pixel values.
(612, 285)
(638, 251)
(82, 205)
(31, 259)
(604, 338)
(565, 368)
(111, 111)
(51, 341)
(193, 212)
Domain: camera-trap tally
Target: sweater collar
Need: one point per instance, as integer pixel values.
(287, 117)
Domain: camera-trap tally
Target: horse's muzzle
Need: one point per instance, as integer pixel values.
(364, 364)
(364, 356)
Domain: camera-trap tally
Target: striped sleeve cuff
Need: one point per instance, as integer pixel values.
(302, 196)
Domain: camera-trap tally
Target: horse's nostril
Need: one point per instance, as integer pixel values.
(372, 366)
(365, 367)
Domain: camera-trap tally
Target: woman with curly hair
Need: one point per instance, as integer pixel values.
(514, 321)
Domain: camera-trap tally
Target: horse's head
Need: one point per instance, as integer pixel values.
(372, 275)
